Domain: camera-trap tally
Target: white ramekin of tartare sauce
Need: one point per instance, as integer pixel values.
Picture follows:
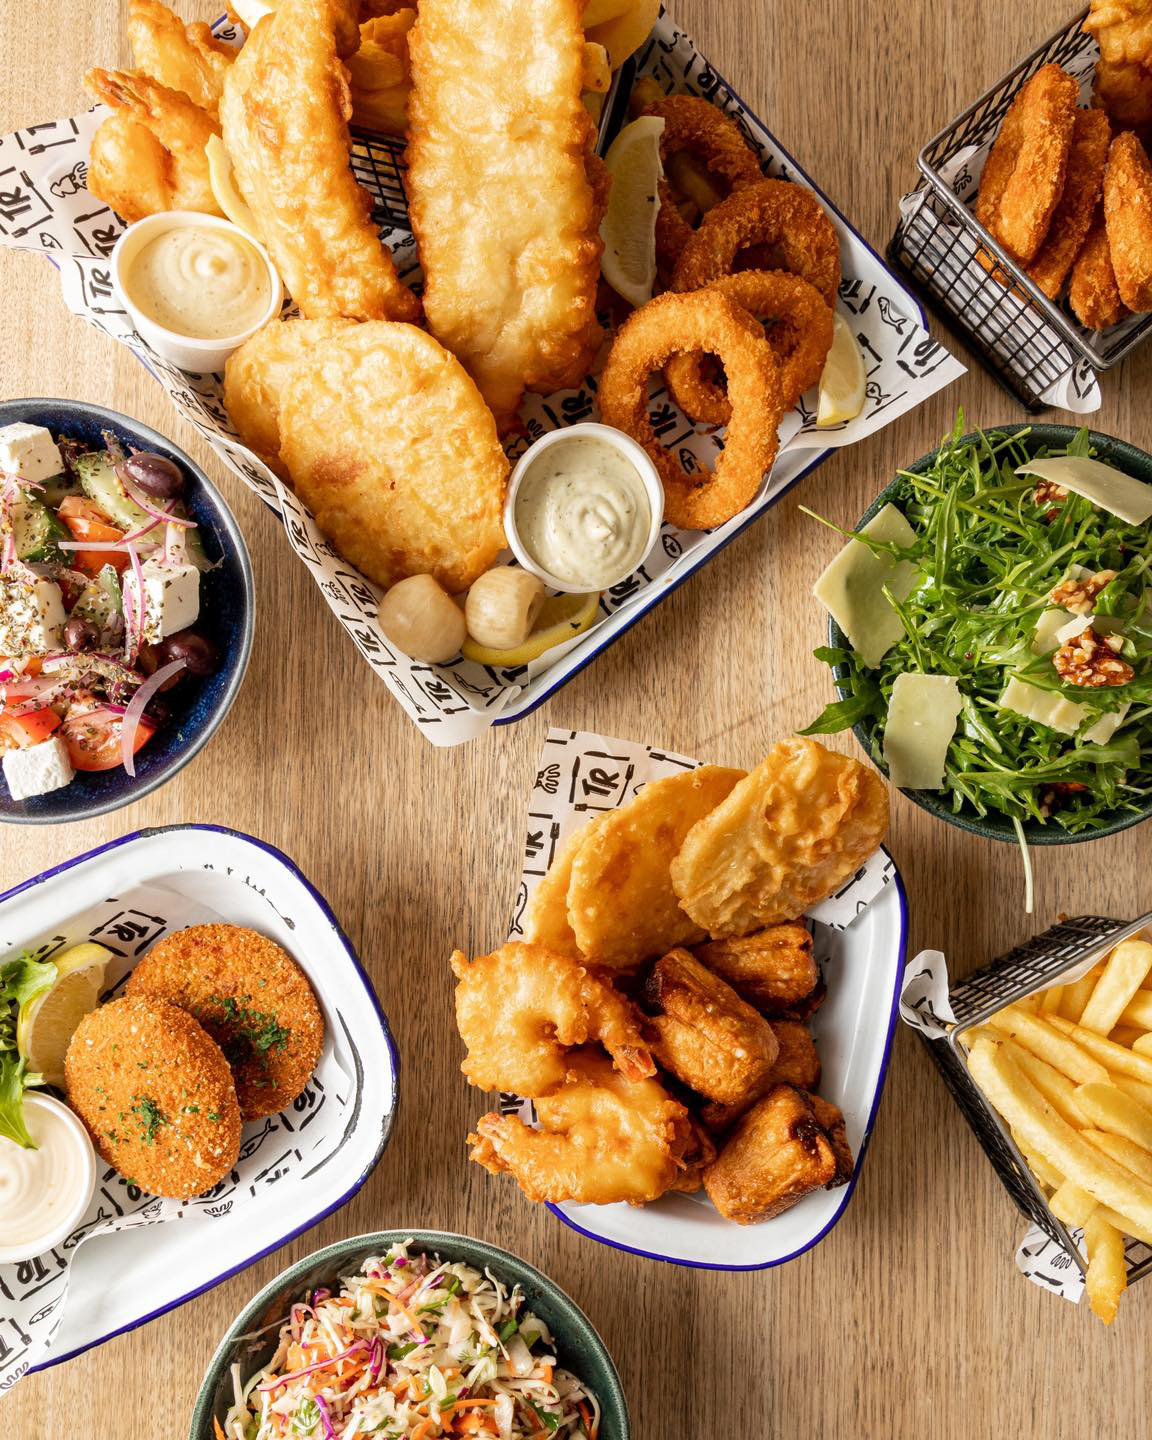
(195, 286)
(44, 1192)
(584, 507)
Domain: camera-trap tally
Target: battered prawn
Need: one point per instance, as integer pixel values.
(602, 1139)
(148, 156)
(188, 58)
(520, 1009)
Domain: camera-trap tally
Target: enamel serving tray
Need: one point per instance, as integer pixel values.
(121, 1280)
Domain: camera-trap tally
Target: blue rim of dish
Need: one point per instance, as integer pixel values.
(389, 1119)
(849, 1189)
(248, 584)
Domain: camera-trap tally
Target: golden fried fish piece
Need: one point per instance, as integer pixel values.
(776, 1155)
(773, 969)
(602, 1139)
(620, 900)
(284, 112)
(546, 919)
(1123, 30)
(380, 75)
(148, 156)
(391, 447)
(183, 57)
(704, 1034)
(255, 376)
(521, 1008)
(786, 837)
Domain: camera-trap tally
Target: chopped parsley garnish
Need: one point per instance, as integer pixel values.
(546, 1417)
(151, 1118)
(253, 1032)
(508, 1329)
(398, 1352)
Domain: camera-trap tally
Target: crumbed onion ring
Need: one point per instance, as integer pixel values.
(799, 328)
(648, 339)
(778, 214)
(697, 126)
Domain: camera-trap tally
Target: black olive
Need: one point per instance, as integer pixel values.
(150, 659)
(158, 709)
(197, 652)
(79, 634)
(158, 477)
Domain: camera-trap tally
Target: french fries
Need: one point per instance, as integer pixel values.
(1070, 1072)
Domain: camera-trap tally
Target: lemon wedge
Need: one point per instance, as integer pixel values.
(223, 182)
(46, 1023)
(561, 618)
(843, 381)
(629, 226)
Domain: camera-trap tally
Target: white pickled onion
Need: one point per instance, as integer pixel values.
(138, 497)
(132, 643)
(144, 530)
(31, 685)
(135, 710)
(118, 545)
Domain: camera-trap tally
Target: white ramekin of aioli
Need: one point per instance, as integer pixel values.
(195, 286)
(44, 1192)
(583, 508)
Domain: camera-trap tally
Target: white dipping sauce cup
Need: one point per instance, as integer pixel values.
(608, 435)
(71, 1214)
(202, 357)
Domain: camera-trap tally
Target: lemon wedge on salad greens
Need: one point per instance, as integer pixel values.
(842, 385)
(49, 1018)
(561, 618)
(629, 225)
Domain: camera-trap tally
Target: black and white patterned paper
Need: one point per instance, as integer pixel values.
(281, 1148)
(44, 205)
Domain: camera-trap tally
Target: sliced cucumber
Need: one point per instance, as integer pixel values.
(100, 602)
(37, 532)
(99, 481)
(54, 490)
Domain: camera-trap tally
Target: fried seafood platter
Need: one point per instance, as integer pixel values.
(654, 1033)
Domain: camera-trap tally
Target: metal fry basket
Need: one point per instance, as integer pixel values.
(1027, 341)
(1036, 965)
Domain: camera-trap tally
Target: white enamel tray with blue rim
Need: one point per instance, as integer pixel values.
(44, 170)
(122, 1267)
(859, 936)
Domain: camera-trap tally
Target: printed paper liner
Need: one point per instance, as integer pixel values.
(294, 1168)
(44, 205)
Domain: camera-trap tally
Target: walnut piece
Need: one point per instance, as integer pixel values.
(1090, 661)
(1078, 596)
(1049, 497)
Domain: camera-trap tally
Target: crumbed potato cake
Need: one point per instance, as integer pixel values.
(621, 905)
(785, 838)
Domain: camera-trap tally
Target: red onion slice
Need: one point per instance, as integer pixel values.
(149, 506)
(135, 710)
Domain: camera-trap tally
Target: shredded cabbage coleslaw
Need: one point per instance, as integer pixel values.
(413, 1347)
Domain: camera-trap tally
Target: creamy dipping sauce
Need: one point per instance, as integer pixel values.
(41, 1188)
(200, 282)
(582, 512)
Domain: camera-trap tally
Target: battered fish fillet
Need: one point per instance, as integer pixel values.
(602, 1139)
(390, 446)
(546, 920)
(1128, 216)
(499, 196)
(188, 58)
(1072, 218)
(1092, 291)
(148, 156)
(285, 114)
(786, 837)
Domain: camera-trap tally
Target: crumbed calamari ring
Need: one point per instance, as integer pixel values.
(1072, 218)
(777, 214)
(799, 327)
(698, 127)
(1128, 216)
(1092, 291)
(646, 341)
(1024, 173)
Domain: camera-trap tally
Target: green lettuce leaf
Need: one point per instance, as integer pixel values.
(12, 1082)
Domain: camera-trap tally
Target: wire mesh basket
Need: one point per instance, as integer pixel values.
(1042, 962)
(1027, 341)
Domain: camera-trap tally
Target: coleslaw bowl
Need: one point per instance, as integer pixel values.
(249, 1343)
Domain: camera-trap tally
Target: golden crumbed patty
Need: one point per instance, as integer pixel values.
(251, 997)
(156, 1094)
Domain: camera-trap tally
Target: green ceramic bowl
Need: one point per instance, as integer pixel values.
(1115, 452)
(578, 1346)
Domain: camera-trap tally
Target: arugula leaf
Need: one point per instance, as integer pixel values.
(843, 714)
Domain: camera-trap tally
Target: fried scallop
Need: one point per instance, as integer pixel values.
(602, 1139)
(156, 1094)
(773, 969)
(252, 999)
(520, 1010)
(256, 373)
(1128, 216)
(787, 836)
(704, 1034)
(391, 447)
(620, 900)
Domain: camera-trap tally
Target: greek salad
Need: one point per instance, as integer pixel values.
(100, 571)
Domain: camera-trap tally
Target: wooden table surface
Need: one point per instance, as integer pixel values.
(910, 1318)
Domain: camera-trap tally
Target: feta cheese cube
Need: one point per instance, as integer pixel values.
(31, 615)
(30, 452)
(171, 598)
(38, 769)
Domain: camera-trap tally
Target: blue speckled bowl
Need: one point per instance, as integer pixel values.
(226, 613)
(578, 1346)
